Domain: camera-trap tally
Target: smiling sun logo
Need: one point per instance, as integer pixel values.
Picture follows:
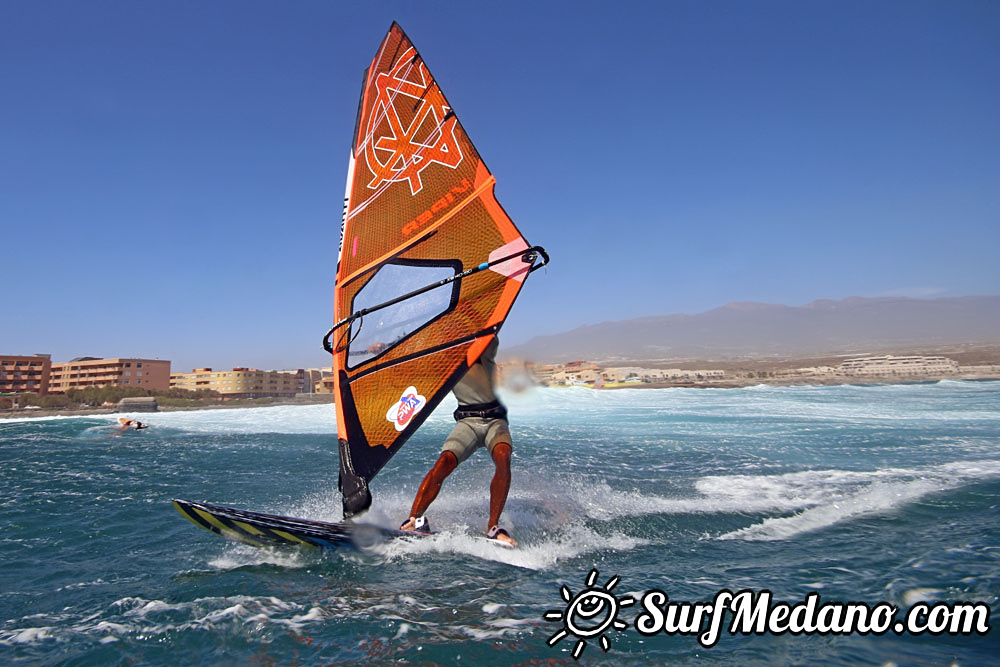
(588, 614)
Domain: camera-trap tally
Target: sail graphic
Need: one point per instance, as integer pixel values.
(428, 269)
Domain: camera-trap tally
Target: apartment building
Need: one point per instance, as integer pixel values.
(243, 382)
(318, 381)
(576, 372)
(325, 385)
(312, 379)
(887, 365)
(22, 374)
(544, 373)
(638, 374)
(84, 372)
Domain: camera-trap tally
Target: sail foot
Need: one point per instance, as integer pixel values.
(357, 497)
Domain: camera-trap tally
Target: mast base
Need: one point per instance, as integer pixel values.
(357, 497)
(358, 501)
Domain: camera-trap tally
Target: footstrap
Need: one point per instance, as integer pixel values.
(419, 523)
(496, 530)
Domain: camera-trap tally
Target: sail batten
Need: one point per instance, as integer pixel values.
(429, 264)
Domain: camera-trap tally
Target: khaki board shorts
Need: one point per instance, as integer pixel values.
(472, 433)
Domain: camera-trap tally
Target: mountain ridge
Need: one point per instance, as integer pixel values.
(853, 325)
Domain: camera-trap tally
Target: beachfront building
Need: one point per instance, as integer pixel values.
(242, 382)
(981, 371)
(84, 372)
(810, 371)
(543, 373)
(625, 374)
(23, 374)
(312, 380)
(585, 372)
(889, 365)
(308, 378)
(576, 372)
(677, 374)
(635, 374)
(324, 385)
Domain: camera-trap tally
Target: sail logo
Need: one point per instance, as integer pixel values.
(410, 126)
(441, 204)
(402, 412)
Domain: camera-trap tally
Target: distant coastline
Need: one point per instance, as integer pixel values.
(970, 362)
(22, 413)
(730, 383)
(734, 383)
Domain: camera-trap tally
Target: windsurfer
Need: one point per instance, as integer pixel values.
(126, 423)
(481, 422)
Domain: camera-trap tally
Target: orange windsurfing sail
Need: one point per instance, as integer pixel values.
(429, 265)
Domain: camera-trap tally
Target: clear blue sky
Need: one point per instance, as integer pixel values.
(171, 173)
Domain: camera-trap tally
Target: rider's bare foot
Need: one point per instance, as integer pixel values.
(500, 535)
(418, 524)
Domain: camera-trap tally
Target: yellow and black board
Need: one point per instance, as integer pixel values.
(271, 530)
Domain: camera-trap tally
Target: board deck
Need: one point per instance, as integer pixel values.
(269, 530)
(497, 543)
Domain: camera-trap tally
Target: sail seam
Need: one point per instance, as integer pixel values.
(425, 233)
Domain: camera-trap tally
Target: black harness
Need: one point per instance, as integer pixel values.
(492, 410)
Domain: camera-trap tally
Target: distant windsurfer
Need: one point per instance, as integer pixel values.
(481, 422)
(126, 423)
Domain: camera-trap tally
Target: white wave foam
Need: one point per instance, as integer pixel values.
(25, 635)
(600, 502)
(876, 499)
(49, 418)
(820, 497)
(242, 555)
(285, 419)
(547, 518)
(156, 617)
(915, 595)
(534, 554)
(839, 496)
(497, 628)
(150, 619)
(151, 607)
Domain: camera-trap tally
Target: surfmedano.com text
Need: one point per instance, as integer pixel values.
(751, 612)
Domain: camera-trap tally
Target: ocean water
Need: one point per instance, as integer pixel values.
(881, 493)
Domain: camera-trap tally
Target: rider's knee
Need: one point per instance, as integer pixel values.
(501, 452)
(446, 462)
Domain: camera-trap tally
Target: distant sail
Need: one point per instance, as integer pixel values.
(429, 264)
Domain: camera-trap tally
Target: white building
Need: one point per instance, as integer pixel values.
(892, 365)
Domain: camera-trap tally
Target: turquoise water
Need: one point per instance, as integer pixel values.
(860, 493)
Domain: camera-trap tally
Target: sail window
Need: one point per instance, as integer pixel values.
(377, 332)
